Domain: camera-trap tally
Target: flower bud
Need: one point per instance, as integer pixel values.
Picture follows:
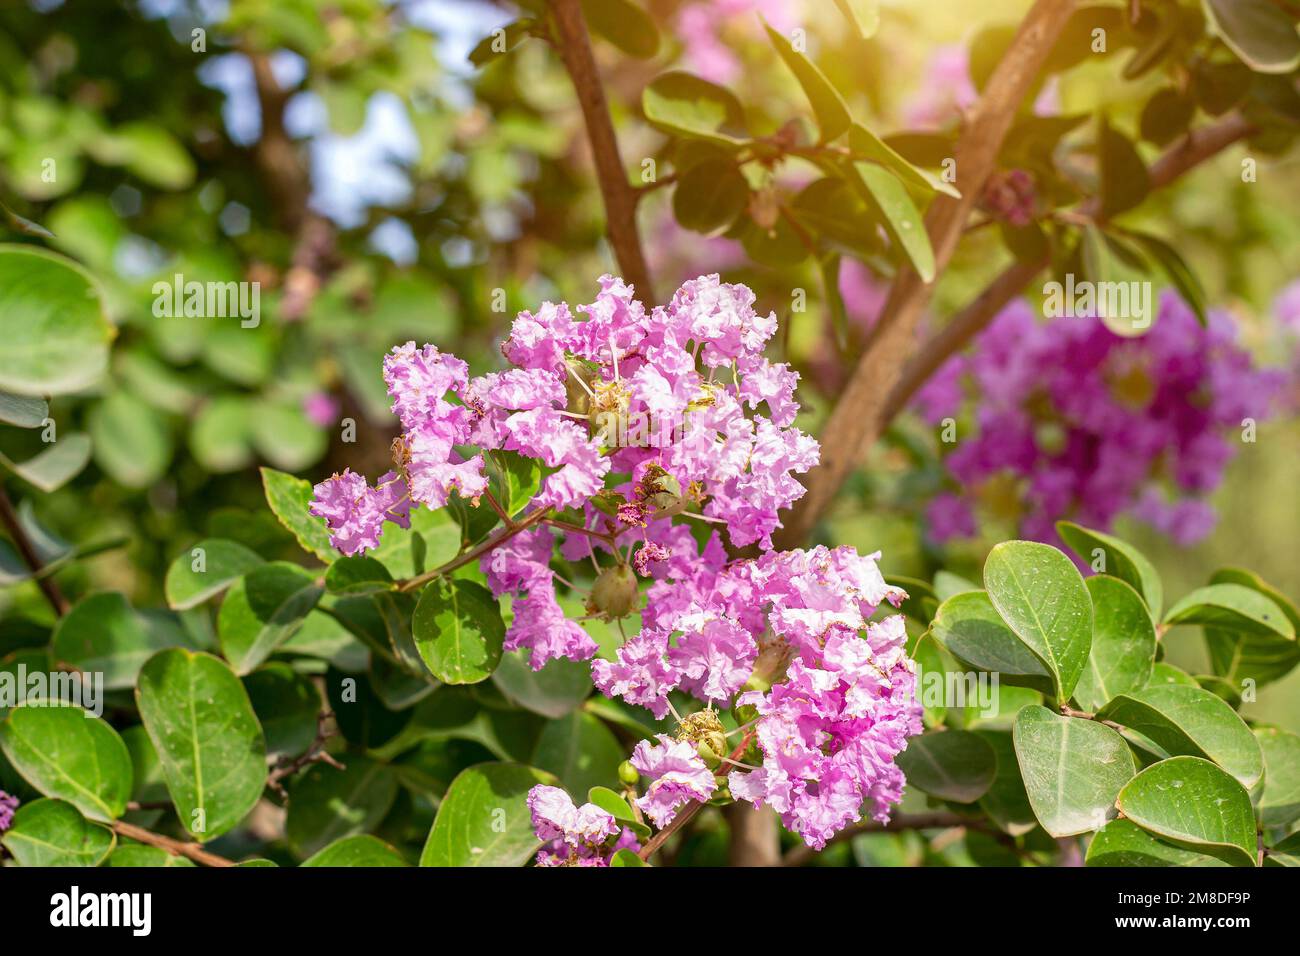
(615, 592)
(628, 774)
(1050, 437)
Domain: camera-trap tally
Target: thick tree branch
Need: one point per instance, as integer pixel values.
(288, 182)
(857, 419)
(1197, 147)
(9, 518)
(574, 46)
(191, 851)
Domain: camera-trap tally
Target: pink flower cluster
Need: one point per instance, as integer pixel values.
(841, 707)
(8, 804)
(575, 836)
(1091, 425)
(677, 775)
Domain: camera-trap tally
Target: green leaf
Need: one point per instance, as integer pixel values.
(221, 434)
(1237, 656)
(899, 215)
(1163, 673)
(623, 24)
(458, 631)
(1039, 593)
(511, 35)
(626, 858)
(132, 440)
(1124, 179)
(1120, 273)
(971, 629)
(289, 498)
(206, 570)
(516, 479)
(1193, 721)
(23, 411)
(1118, 558)
(360, 850)
(358, 575)
(710, 196)
(56, 334)
(139, 855)
(867, 145)
(555, 690)
(955, 765)
(1123, 644)
(1195, 804)
(1006, 802)
(1176, 269)
(685, 105)
(209, 743)
(863, 16)
(1072, 768)
(103, 634)
(832, 114)
(68, 753)
(1232, 607)
(1166, 116)
(286, 704)
(263, 610)
(54, 467)
(484, 819)
(53, 833)
(580, 750)
(326, 804)
(153, 154)
(1279, 805)
(1124, 843)
(1261, 33)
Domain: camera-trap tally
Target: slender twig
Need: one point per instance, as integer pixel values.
(855, 422)
(191, 851)
(496, 506)
(574, 46)
(9, 517)
(1196, 148)
(1068, 711)
(523, 524)
(579, 529)
(287, 766)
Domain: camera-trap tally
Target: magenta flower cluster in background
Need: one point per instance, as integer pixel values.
(1091, 425)
(8, 804)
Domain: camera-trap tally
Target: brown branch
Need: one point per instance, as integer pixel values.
(316, 753)
(897, 824)
(574, 46)
(191, 851)
(857, 420)
(9, 517)
(530, 519)
(287, 180)
(1194, 149)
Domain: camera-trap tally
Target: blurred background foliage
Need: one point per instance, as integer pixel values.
(384, 176)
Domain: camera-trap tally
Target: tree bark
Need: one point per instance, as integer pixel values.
(755, 839)
(620, 197)
(857, 420)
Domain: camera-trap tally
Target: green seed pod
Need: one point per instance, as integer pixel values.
(628, 774)
(615, 592)
(712, 759)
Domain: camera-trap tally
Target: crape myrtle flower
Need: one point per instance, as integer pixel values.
(574, 836)
(677, 776)
(1074, 420)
